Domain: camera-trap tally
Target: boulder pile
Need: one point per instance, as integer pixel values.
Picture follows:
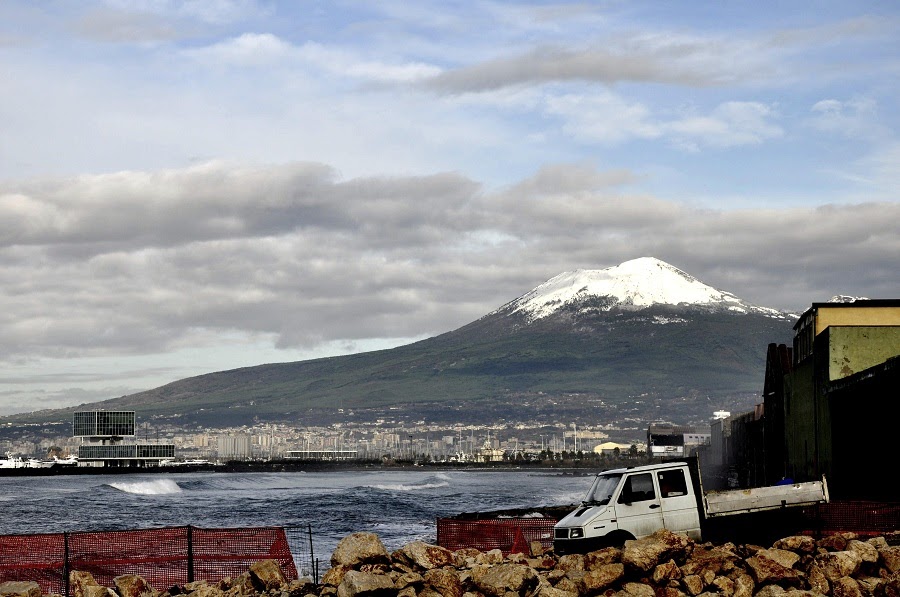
(662, 565)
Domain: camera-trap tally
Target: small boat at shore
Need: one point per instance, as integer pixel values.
(17, 462)
(11, 461)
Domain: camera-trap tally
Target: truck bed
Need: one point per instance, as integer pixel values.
(739, 501)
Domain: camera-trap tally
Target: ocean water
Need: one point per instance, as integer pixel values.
(399, 506)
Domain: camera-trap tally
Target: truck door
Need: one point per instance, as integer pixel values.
(637, 508)
(679, 505)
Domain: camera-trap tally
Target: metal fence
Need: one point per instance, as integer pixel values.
(164, 557)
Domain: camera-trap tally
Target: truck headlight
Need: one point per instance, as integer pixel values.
(576, 533)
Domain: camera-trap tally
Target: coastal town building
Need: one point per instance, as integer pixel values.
(665, 440)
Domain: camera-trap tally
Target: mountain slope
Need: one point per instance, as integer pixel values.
(641, 329)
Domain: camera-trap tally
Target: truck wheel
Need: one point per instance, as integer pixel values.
(618, 538)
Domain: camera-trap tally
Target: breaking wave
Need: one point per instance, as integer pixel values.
(435, 482)
(156, 487)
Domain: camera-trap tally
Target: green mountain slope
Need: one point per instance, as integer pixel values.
(496, 360)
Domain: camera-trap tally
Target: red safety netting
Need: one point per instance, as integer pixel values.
(860, 517)
(163, 557)
(40, 558)
(160, 556)
(509, 535)
(219, 553)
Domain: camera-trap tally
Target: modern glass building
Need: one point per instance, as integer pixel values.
(126, 452)
(103, 423)
(104, 431)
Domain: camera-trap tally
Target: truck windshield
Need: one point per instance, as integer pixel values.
(602, 490)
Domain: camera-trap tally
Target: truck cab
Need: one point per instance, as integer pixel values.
(631, 503)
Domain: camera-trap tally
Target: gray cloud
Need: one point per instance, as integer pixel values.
(666, 58)
(672, 64)
(149, 261)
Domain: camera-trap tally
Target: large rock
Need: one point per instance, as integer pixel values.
(425, 556)
(797, 544)
(838, 564)
(784, 557)
(366, 584)
(132, 585)
(846, 587)
(359, 548)
(890, 558)
(766, 569)
(205, 590)
(504, 578)
(717, 559)
(601, 577)
(444, 582)
(20, 588)
(79, 580)
(865, 550)
(268, 574)
(647, 553)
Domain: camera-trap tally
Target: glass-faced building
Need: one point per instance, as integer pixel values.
(104, 431)
(103, 423)
(127, 452)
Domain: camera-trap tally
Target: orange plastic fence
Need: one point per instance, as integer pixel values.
(164, 556)
(865, 518)
(509, 535)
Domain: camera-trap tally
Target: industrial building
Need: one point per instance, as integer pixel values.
(829, 404)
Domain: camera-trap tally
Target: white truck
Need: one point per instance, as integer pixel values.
(634, 502)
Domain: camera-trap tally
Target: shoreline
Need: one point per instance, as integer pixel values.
(286, 466)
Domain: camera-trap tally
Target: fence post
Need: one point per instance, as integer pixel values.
(312, 560)
(190, 553)
(66, 562)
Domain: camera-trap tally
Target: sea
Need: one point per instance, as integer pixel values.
(398, 505)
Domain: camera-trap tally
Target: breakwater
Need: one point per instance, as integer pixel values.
(662, 565)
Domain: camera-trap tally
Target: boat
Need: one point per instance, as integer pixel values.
(35, 463)
(17, 462)
(12, 462)
(67, 461)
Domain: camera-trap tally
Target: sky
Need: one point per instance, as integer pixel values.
(195, 186)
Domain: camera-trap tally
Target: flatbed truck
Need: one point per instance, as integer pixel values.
(634, 502)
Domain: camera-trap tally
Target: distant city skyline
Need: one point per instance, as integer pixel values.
(189, 187)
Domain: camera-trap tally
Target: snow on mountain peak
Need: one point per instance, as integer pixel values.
(843, 298)
(634, 284)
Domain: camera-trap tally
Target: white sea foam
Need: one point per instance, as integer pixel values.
(156, 487)
(410, 487)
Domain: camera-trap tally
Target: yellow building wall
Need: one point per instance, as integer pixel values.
(845, 316)
(854, 349)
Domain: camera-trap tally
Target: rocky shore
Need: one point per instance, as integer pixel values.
(662, 565)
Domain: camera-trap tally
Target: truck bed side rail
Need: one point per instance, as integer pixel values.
(740, 501)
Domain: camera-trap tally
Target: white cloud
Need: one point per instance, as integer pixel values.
(856, 117)
(603, 118)
(249, 49)
(267, 50)
(606, 118)
(730, 124)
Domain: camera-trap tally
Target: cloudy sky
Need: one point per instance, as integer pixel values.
(195, 186)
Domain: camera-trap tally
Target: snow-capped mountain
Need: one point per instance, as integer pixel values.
(633, 285)
(641, 341)
(843, 298)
